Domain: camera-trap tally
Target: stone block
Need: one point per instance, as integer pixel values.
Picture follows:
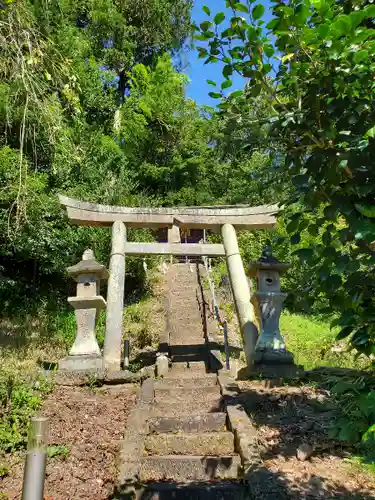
(81, 363)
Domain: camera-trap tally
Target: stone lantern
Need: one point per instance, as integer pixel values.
(268, 300)
(85, 353)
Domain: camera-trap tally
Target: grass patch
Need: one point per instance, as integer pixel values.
(313, 343)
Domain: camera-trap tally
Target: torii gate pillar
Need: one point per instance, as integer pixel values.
(115, 299)
(241, 292)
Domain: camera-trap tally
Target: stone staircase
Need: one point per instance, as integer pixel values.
(180, 443)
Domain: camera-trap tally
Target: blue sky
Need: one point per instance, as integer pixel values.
(198, 73)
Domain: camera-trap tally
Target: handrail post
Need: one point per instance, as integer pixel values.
(226, 345)
(36, 459)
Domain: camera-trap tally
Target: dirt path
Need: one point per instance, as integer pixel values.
(287, 418)
(89, 424)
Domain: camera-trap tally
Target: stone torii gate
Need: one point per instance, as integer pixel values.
(224, 219)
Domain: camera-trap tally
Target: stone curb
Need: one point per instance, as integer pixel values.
(133, 445)
(93, 377)
(244, 430)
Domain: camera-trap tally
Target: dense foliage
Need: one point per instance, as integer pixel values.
(315, 63)
(66, 68)
(92, 106)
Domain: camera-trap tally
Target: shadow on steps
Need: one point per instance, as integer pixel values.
(223, 490)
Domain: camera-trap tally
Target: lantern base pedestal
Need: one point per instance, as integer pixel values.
(83, 362)
(274, 356)
(274, 363)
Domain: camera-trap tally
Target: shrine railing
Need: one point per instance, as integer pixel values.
(222, 323)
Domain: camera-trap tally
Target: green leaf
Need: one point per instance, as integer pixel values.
(206, 10)
(258, 11)
(269, 50)
(287, 57)
(211, 82)
(219, 18)
(237, 93)
(215, 95)
(205, 25)
(295, 239)
(241, 7)
(202, 52)
(330, 212)
(334, 282)
(345, 332)
(360, 56)
(273, 24)
(227, 70)
(304, 254)
(226, 84)
(366, 210)
(314, 230)
(370, 133)
(200, 38)
(342, 25)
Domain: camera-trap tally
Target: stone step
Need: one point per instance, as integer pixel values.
(221, 490)
(211, 422)
(190, 468)
(187, 339)
(168, 407)
(209, 443)
(186, 392)
(194, 366)
(176, 380)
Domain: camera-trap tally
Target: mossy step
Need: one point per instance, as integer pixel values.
(209, 443)
(211, 422)
(190, 468)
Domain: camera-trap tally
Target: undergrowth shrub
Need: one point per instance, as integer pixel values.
(355, 423)
(20, 399)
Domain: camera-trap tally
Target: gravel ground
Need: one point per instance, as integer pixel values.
(299, 461)
(89, 423)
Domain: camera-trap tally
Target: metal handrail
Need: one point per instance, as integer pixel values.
(222, 323)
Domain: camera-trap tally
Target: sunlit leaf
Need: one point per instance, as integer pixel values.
(241, 7)
(226, 84)
(258, 11)
(219, 18)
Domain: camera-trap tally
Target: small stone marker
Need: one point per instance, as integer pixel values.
(162, 365)
(85, 353)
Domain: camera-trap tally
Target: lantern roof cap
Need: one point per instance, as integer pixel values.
(267, 262)
(88, 265)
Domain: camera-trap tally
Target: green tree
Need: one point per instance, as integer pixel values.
(315, 62)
